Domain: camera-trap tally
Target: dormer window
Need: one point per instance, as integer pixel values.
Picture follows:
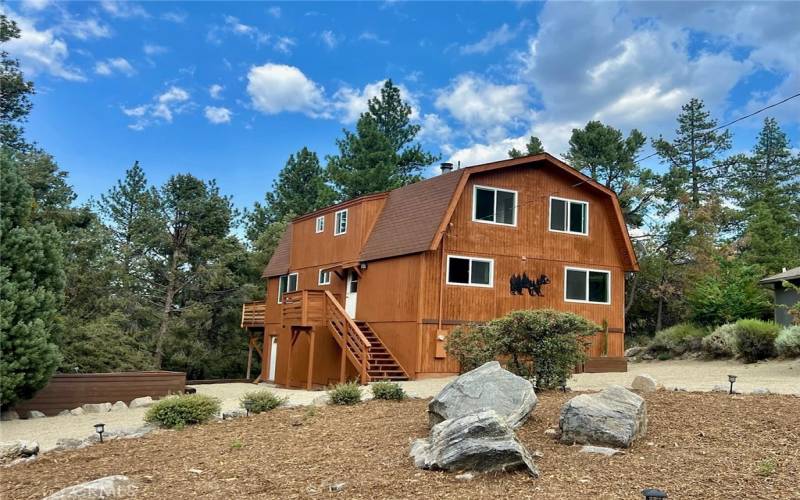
(494, 206)
(320, 224)
(340, 222)
(569, 216)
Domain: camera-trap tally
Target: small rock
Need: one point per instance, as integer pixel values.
(466, 476)
(195, 471)
(551, 432)
(36, 414)
(23, 460)
(719, 388)
(230, 415)
(644, 383)
(760, 391)
(9, 415)
(70, 444)
(76, 411)
(64, 413)
(680, 389)
(297, 421)
(336, 487)
(141, 402)
(96, 407)
(634, 351)
(119, 405)
(12, 450)
(600, 450)
(537, 454)
(105, 487)
(647, 356)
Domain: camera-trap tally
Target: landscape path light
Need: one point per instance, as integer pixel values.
(731, 379)
(653, 494)
(100, 429)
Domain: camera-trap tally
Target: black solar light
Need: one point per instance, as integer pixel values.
(248, 406)
(100, 429)
(564, 384)
(731, 379)
(653, 494)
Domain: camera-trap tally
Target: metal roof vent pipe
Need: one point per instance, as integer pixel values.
(446, 167)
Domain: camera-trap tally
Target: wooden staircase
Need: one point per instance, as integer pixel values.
(382, 365)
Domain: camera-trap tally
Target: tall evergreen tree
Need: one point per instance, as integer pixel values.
(15, 91)
(606, 156)
(380, 155)
(31, 289)
(533, 147)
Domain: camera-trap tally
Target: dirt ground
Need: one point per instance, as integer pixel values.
(697, 446)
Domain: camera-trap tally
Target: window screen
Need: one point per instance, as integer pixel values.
(558, 215)
(598, 287)
(505, 207)
(481, 273)
(576, 285)
(577, 217)
(484, 204)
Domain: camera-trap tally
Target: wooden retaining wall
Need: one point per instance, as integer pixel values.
(70, 390)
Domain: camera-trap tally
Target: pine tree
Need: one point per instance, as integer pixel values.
(32, 284)
(15, 91)
(533, 147)
(381, 154)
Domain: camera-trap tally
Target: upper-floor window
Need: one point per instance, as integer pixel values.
(494, 206)
(470, 271)
(587, 285)
(340, 222)
(286, 283)
(324, 277)
(320, 225)
(569, 216)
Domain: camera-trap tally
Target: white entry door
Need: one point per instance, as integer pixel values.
(351, 294)
(273, 357)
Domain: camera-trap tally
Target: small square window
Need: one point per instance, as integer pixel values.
(324, 277)
(320, 225)
(494, 206)
(340, 226)
(569, 216)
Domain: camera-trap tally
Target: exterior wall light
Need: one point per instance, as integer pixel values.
(731, 379)
(100, 429)
(653, 494)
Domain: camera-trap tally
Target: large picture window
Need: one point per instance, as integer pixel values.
(470, 271)
(340, 223)
(286, 284)
(494, 206)
(569, 216)
(587, 285)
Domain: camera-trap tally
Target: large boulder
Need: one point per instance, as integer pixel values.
(141, 402)
(12, 450)
(644, 383)
(96, 407)
(614, 417)
(479, 442)
(105, 487)
(488, 387)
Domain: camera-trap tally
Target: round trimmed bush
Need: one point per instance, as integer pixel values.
(180, 411)
(722, 342)
(678, 339)
(348, 393)
(261, 401)
(473, 345)
(788, 342)
(387, 390)
(755, 339)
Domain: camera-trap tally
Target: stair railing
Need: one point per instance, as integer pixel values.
(349, 336)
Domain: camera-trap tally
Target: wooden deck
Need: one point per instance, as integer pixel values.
(253, 314)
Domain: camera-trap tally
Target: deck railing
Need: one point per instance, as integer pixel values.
(253, 314)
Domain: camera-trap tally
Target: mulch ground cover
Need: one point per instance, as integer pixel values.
(697, 446)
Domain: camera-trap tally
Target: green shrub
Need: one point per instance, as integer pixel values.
(472, 345)
(755, 339)
(180, 411)
(678, 339)
(388, 390)
(788, 342)
(348, 393)
(261, 401)
(721, 343)
(664, 356)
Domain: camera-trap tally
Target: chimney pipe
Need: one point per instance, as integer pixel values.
(446, 167)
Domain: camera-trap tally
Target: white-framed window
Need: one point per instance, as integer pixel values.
(320, 224)
(286, 283)
(324, 277)
(569, 216)
(587, 285)
(340, 222)
(494, 205)
(470, 271)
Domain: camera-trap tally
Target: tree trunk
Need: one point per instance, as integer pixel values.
(632, 292)
(169, 298)
(659, 313)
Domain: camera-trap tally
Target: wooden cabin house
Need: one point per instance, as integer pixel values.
(369, 288)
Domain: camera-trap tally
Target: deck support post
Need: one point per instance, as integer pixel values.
(311, 341)
(342, 364)
(249, 354)
(289, 359)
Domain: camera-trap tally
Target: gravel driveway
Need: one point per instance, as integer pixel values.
(781, 377)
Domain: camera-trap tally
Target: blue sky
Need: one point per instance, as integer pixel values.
(229, 90)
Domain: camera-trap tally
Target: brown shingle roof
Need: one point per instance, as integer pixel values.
(790, 274)
(411, 217)
(279, 263)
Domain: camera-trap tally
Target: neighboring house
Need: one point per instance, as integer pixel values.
(785, 297)
(370, 288)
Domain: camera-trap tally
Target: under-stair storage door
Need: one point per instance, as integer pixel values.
(351, 294)
(273, 357)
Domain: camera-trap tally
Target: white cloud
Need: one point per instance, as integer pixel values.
(217, 115)
(215, 91)
(284, 44)
(35, 4)
(350, 102)
(175, 16)
(274, 12)
(276, 88)
(123, 9)
(174, 100)
(114, 65)
(485, 108)
(84, 29)
(152, 49)
(492, 40)
(434, 129)
(40, 51)
(137, 111)
(372, 37)
(329, 38)
(233, 25)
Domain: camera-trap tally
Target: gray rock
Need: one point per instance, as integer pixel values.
(36, 414)
(600, 450)
(70, 444)
(488, 387)
(230, 415)
(64, 413)
(76, 411)
(337, 487)
(719, 388)
(613, 417)
(480, 442)
(23, 460)
(9, 415)
(634, 351)
(12, 450)
(97, 407)
(105, 487)
(118, 406)
(141, 402)
(467, 476)
(644, 383)
(760, 391)
(551, 432)
(647, 356)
